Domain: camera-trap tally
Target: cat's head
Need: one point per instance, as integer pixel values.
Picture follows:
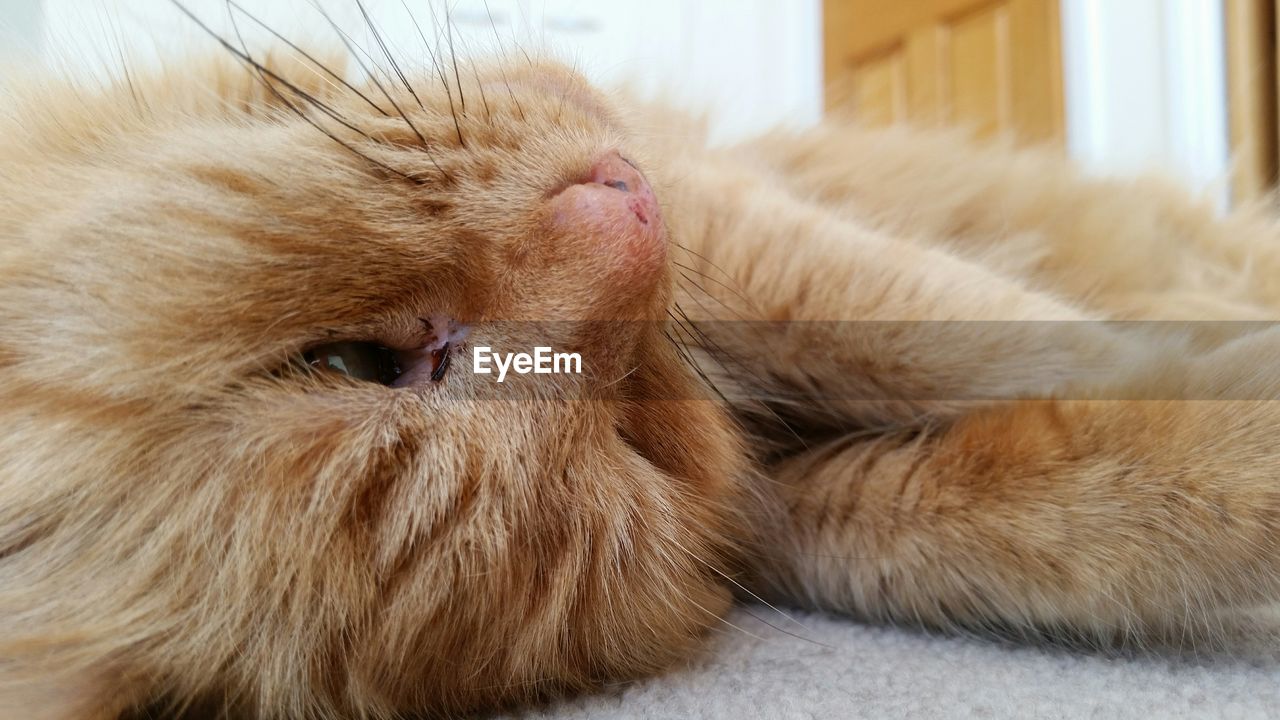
(245, 450)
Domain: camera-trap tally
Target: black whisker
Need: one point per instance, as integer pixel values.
(736, 293)
(373, 69)
(484, 99)
(351, 48)
(263, 72)
(688, 360)
(448, 90)
(343, 81)
(377, 36)
(527, 58)
(717, 352)
(457, 77)
(565, 96)
(714, 349)
(118, 41)
(689, 279)
(752, 323)
(714, 266)
(475, 74)
(502, 53)
(683, 347)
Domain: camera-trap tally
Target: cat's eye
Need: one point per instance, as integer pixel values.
(371, 362)
(358, 360)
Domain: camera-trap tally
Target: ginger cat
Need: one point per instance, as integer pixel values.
(247, 466)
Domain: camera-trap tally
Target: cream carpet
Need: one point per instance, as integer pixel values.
(872, 672)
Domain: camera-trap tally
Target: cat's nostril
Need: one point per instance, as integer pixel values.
(614, 171)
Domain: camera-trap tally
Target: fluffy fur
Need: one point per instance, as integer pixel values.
(186, 522)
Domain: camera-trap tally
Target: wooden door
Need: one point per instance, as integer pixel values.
(992, 65)
(1252, 96)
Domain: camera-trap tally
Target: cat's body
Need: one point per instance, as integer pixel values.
(186, 518)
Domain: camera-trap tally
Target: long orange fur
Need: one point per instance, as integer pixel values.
(185, 524)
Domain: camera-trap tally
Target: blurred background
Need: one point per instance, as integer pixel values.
(1187, 87)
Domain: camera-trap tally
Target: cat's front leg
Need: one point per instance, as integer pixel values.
(1102, 518)
(791, 310)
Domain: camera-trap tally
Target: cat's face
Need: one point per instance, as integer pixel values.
(219, 505)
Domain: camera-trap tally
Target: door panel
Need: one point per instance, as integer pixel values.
(977, 70)
(992, 65)
(879, 88)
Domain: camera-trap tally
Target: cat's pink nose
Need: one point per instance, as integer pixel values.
(618, 173)
(610, 216)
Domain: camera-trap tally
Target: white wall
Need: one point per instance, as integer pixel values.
(1145, 79)
(1146, 88)
(21, 27)
(750, 63)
